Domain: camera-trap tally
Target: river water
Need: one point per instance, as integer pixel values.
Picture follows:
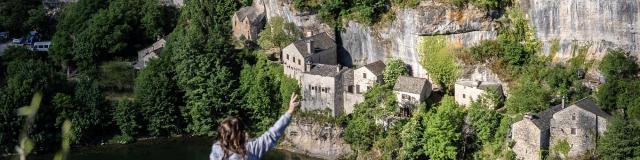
(161, 149)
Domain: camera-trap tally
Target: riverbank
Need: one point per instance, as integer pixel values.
(183, 148)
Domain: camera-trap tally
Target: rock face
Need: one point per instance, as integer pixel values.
(602, 24)
(316, 139)
(365, 44)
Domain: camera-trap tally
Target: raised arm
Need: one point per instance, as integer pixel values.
(267, 140)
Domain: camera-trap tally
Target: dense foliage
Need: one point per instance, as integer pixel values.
(440, 62)
(278, 34)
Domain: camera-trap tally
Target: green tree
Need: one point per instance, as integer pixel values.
(72, 20)
(527, 96)
(412, 138)
(158, 20)
(617, 64)
(14, 14)
(439, 61)
(203, 61)
(395, 68)
(616, 143)
(278, 34)
(24, 77)
(443, 130)
(126, 118)
(88, 112)
(159, 98)
(485, 121)
(260, 85)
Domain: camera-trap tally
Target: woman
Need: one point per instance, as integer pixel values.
(232, 145)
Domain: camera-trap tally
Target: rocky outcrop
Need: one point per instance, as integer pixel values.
(596, 24)
(315, 139)
(399, 38)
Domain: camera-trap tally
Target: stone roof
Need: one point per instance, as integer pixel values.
(325, 70)
(251, 13)
(542, 119)
(410, 84)
(347, 77)
(480, 84)
(320, 43)
(592, 107)
(376, 67)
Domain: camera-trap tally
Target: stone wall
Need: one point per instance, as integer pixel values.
(528, 140)
(583, 122)
(315, 139)
(320, 93)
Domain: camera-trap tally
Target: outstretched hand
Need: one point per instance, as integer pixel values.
(293, 103)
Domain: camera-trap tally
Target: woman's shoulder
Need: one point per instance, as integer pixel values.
(216, 152)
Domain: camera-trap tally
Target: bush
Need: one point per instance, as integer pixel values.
(395, 68)
(487, 49)
(118, 75)
(439, 61)
(126, 117)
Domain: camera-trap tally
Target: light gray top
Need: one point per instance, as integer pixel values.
(257, 147)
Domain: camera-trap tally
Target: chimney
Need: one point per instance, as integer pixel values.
(338, 68)
(563, 105)
(308, 34)
(528, 116)
(310, 48)
(308, 66)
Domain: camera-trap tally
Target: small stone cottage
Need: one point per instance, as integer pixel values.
(300, 55)
(151, 52)
(358, 81)
(247, 22)
(579, 124)
(467, 91)
(410, 91)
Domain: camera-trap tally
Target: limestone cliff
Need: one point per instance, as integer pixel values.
(597, 24)
(317, 139)
(398, 38)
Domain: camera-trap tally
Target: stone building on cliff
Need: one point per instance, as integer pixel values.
(578, 124)
(247, 22)
(322, 88)
(474, 82)
(300, 55)
(361, 80)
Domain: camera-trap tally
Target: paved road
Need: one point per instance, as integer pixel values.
(3, 46)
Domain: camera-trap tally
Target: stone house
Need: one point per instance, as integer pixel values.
(151, 52)
(467, 91)
(322, 88)
(475, 81)
(298, 56)
(580, 125)
(247, 22)
(358, 81)
(410, 91)
(531, 134)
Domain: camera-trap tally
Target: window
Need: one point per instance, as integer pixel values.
(364, 75)
(358, 89)
(573, 117)
(350, 89)
(287, 56)
(294, 59)
(464, 96)
(573, 131)
(299, 62)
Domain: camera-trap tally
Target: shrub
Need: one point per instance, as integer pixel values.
(126, 117)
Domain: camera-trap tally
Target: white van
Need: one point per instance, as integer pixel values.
(41, 46)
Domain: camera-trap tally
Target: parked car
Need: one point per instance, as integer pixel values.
(4, 35)
(17, 41)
